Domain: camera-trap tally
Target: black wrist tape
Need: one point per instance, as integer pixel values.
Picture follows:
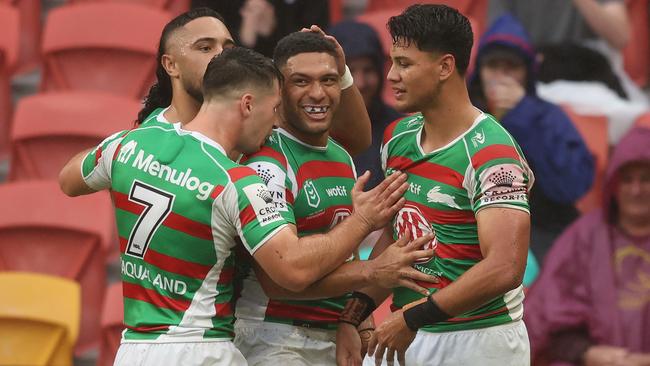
(427, 313)
(357, 309)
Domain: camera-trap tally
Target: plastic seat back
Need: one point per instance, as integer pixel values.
(47, 232)
(112, 324)
(636, 55)
(39, 319)
(593, 130)
(50, 128)
(9, 29)
(30, 33)
(643, 120)
(173, 6)
(106, 46)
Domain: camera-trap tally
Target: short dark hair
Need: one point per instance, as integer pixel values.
(435, 28)
(160, 94)
(301, 42)
(238, 68)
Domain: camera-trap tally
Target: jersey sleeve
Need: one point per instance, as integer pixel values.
(502, 178)
(96, 165)
(279, 185)
(249, 206)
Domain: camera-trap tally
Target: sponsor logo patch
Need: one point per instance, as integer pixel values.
(410, 219)
(434, 195)
(262, 203)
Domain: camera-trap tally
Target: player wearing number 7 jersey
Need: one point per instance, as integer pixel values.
(180, 201)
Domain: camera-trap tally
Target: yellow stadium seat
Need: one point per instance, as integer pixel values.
(39, 319)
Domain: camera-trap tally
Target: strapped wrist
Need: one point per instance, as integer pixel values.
(357, 309)
(426, 313)
(346, 80)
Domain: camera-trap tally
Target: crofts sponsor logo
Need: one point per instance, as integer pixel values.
(313, 199)
(262, 203)
(410, 219)
(503, 182)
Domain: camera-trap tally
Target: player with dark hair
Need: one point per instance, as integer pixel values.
(468, 185)
(310, 177)
(188, 43)
(180, 201)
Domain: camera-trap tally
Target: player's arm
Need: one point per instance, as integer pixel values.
(71, 181)
(351, 124)
(392, 268)
(295, 263)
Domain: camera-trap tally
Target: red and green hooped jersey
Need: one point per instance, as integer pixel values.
(311, 187)
(179, 204)
(484, 167)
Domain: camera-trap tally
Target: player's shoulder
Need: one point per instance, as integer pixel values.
(153, 117)
(271, 152)
(403, 126)
(488, 140)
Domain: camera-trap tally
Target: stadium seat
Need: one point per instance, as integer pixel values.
(643, 121)
(30, 33)
(112, 324)
(10, 29)
(39, 319)
(115, 52)
(175, 7)
(636, 55)
(47, 232)
(594, 132)
(50, 128)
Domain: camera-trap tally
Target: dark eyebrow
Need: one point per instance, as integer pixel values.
(227, 41)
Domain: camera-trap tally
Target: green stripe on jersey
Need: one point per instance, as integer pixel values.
(483, 167)
(311, 187)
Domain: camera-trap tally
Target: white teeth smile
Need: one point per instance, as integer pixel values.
(315, 109)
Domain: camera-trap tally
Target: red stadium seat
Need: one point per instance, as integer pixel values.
(173, 6)
(112, 324)
(636, 55)
(50, 128)
(30, 33)
(594, 132)
(643, 121)
(47, 232)
(9, 28)
(115, 52)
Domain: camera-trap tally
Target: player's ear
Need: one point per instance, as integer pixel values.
(246, 105)
(447, 65)
(169, 64)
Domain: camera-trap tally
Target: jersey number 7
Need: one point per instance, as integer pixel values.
(158, 205)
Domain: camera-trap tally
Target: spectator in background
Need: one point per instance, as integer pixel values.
(366, 58)
(591, 304)
(260, 24)
(503, 84)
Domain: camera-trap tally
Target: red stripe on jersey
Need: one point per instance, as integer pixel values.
(289, 195)
(246, 216)
(277, 309)
(388, 132)
(427, 170)
(137, 292)
(494, 152)
(458, 251)
(173, 221)
(443, 282)
(226, 275)
(321, 220)
(115, 153)
(149, 328)
(98, 155)
(176, 265)
(270, 152)
(316, 169)
(498, 311)
(223, 309)
(216, 191)
(240, 172)
(442, 217)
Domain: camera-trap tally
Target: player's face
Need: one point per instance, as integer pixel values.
(311, 92)
(366, 77)
(633, 191)
(196, 44)
(414, 77)
(264, 115)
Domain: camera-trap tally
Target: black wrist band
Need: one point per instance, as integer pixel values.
(427, 313)
(357, 309)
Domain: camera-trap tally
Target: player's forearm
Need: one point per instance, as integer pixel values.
(610, 20)
(70, 179)
(351, 124)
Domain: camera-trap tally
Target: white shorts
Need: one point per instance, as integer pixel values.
(267, 343)
(501, 345)
(185, 354)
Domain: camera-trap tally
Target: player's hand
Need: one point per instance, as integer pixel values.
(348, 345)
(366, 330)
(392, 336)
(392, 268)
(503, 95)
(378, 206)
(340, 54)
